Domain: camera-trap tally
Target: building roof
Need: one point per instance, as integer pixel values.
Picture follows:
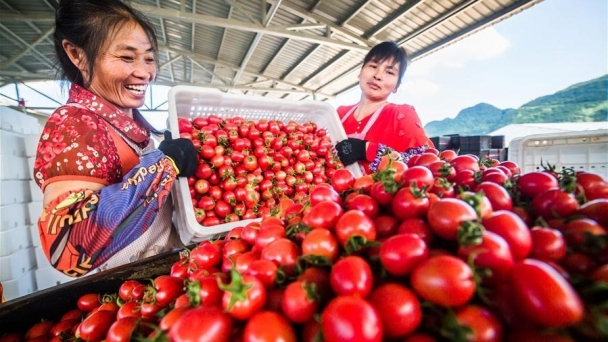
(294, 49)
(514, 131)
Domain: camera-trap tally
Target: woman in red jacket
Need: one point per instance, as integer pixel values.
(373, 125)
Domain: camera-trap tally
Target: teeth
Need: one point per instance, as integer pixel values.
(136, 88)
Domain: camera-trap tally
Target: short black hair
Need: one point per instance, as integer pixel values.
(389, 51)
(87, 24)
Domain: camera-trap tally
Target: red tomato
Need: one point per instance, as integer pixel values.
(39, 329)
(596, 210)
(386, 225)
(581, 230)
(444, 280)
(493, 253)
(554, 203)
(324, 193)
(351, 319)
(409, 203)
(497, 195)
(265, 271)
(547, 244)
(167, 289)
(354, 223)
(400, 253)
(342, 180)
(365, 204)
(513, 229)
(205, 256)
(321, 242)
(244, 296)
(543, 296)
(129, 309)
(465, 162)
(63, 327)
(89, 302)
(533, 183)
(417, 226)
(282, 252)
(418, 176)
(122, 329)
(72, 314)
(484, 325)
(300, 302)
(351, 276)
(125, 291)
(446, 215)
(212, 325)
(268, 326)
(324, 214)
(95, 326)
(398, 307)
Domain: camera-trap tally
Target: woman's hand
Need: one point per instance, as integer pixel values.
(182, 152)
(351, 150)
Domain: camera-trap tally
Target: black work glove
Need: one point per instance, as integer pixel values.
(182, 152)
(351, 150)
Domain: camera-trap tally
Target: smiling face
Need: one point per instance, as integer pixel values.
(124, 68)
(379, 79)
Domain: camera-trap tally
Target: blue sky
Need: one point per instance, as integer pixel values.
(539, 51)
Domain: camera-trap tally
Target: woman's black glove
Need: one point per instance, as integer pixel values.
(351, 150)
(182, 152)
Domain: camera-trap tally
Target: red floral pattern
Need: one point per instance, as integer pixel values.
(76, 141)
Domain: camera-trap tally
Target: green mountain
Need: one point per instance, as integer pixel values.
(581, 102)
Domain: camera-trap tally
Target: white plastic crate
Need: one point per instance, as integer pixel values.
(191, 102)
(12, 144)
(34, 235)
(14, 191)
(20, 287)
(12, 167)
(31, 144)
(581, 150)
(19, 122)
(14, 265)
(49, 277)
(14, 240)
(34, 210)
(41, 260)
(13, 216)
(35, 192)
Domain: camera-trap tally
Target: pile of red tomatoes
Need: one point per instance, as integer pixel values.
(441, 248)
(246, 167)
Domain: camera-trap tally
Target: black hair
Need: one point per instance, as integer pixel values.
(88, 24)
(389, 51)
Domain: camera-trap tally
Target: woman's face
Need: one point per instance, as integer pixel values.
(124, 68)
(379, 79)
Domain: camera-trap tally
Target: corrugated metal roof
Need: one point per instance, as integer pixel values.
(294, 49)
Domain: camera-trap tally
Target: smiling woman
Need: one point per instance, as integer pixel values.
(106, 187)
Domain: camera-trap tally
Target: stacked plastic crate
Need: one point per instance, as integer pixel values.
(23, 267)
(17, 256)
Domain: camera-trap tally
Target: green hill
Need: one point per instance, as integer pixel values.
(581, 102)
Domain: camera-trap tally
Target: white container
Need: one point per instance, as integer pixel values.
(581, 150)
(191, 102)
(12, 144)
(20, 287)
(18, 122)
(12, 167)
(14, 191)
(34, 210)
(14, 240)
(13, 215)
(30, 166)
(49, 277)
(34, 234)
(41, 259)
(31, 144)
(35, 192)
(14, 265)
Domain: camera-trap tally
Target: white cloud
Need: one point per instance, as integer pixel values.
(482, 45)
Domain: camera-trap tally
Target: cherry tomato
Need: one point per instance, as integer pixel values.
(89, 302)
(533, 183)
(300, 302)
(493, 253)
(351, 275)
(484, 325)
(398, 307)
(244, 296)
(446, 215)
(497, 195)
(547, 244)
(321, 242)
(444, 280)
(212, 324)
(39, 329)
(354, 223)
(400, 253)
(351, 319)
(95, 326)
(543, 296)
(268, 326)
(513, 229)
